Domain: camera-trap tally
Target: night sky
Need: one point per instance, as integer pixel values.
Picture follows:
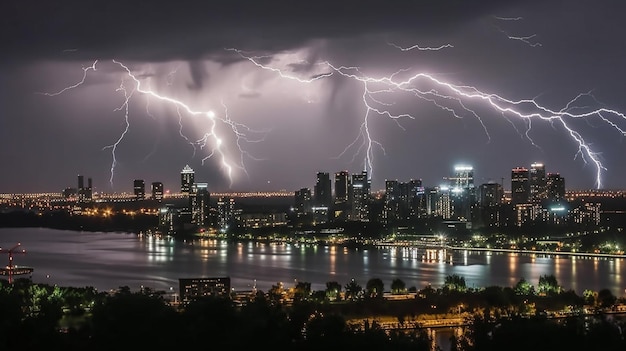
(302, 107)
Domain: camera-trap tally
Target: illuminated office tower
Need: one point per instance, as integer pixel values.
(322, 198)
(186, 180)
(342, 186)
(555, 187)
(537, 182)
(440, 202)
(491, 194)
(85, 194)
(341, 207)
(322, 190)
(520, 186)
(360, 198)
(139, 189)
(303, 202)
(157, 191)
(463, 192)
(89, 190)
(199, 204)
(391, 209)
(81, 189)
(463, 177)
(225, 212)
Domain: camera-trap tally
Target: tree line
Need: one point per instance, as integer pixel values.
(40, 316)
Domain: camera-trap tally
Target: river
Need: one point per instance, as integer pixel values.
(109, 260)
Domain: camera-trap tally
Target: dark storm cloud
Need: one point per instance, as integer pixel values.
(44, 44)
(198, 74)
(167, 30)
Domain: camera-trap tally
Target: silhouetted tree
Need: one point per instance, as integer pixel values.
(353, 290)
(333, 290)
(524, 288)
(606, 298)
(302, 291)
(455, 282)
(375, 288)
(398, 286)
(548, 285)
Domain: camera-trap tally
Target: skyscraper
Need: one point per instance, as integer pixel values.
(302, 201)
(342, 186)
(200, 204)
(157, 191)
(341, 207)
(360, 196)
(225, 212)
(81, 189)
(463, 192)
(85, 194)
(491, 194)
(391, 210)
(463, 177)
(322, 190)
(555, 187)
(81, 182)
(186, 180)
(139, 189)
(520, 186)
(537, 182)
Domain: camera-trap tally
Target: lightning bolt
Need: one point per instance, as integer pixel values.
(114, 146)
(524, 39)
(458, 100)
(508, 18)
(212, 139)
(76, 85)
(528, 39)
(421, 48)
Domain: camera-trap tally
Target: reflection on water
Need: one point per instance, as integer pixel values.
(110, 260)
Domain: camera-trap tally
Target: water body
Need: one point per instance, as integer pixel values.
(110, 260)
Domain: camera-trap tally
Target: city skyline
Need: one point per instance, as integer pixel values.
(187, 179)
(258, 97)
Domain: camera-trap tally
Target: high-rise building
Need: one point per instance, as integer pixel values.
(537, 182)
(89, 190)
(440, 202)
(555, 187)
(157, 191)
(139, 189)
(403, 200)
(81, 182)
(360, 198)
(85, 194)
(520, 186)
(342, 186)
(225, 212)
(186, 180)
(303, 201)
(171, 220)
(490, 198)
(342, 206)
(391, 209)
(200, 204)
(81, 189)
(491, 194)
(463, 192)
(322, 198)
(322, 190)
(463, 177)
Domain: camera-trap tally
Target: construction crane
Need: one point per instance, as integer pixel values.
(9, 268)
